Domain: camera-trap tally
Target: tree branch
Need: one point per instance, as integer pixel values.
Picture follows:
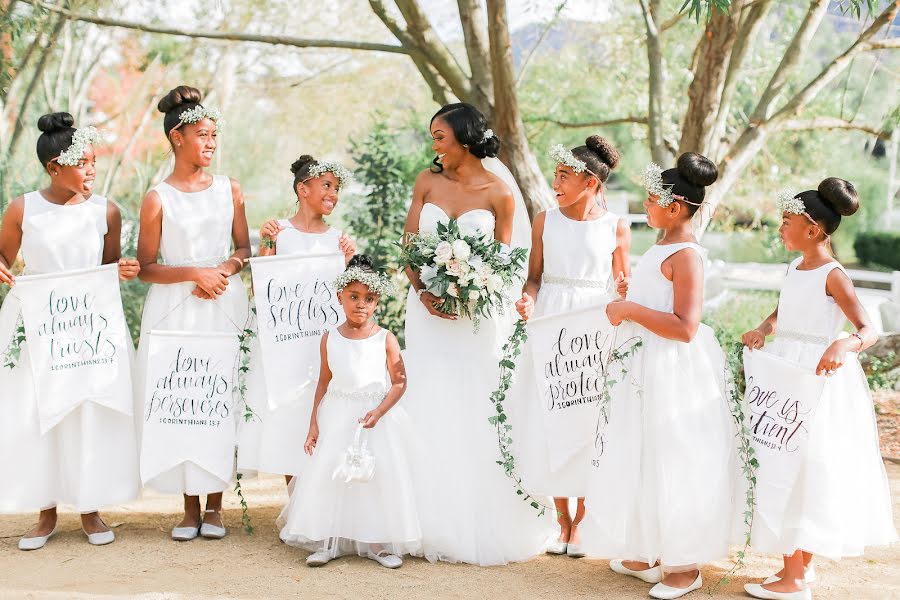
(577, 125)
(830, 123)
(231, 36)
(472, 18)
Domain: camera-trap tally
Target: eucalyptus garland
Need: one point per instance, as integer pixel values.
(736, 385)
(245, 510)
(14, 350)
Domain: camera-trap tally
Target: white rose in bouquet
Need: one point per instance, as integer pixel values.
(454, 268)
(494, 283)
(443, 252)
(452, 290)
(461, 250)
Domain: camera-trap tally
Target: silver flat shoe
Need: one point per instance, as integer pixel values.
(36, 542)
(557, 547)
(574, 551)
(662, 591)
(185, 534)
(210, 531)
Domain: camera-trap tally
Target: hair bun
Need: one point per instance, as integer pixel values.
(183, 94)
(363, 261)
(840, 195)
(604, 150)
(55, 122)
(301, 162)
(697, 169)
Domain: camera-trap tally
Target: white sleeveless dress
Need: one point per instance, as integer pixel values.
(88, 460)
(350, 517)
(663, 486)
(273, 442)
(841, 502)
(577, 274)
(468, 507)
(196, 231)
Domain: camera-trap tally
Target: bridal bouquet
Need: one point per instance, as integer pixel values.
(470, 274)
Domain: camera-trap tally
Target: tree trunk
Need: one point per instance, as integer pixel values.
(471, 15)
(507, 119)
(656, 85)
(705, 91)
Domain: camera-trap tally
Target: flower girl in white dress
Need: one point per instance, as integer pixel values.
(577, 251)
(661, 495)
(89, 459)
(356, 495)
(269, 442)
(841, 501)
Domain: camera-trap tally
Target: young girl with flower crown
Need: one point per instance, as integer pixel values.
(356, 495)
(89, 459)
(578, 251)
(841, 500)
(269, 443)
(195, 222)
(661, 493)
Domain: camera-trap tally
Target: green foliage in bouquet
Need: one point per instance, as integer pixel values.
(470, 274)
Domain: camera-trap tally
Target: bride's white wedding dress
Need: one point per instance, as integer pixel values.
(468, 507)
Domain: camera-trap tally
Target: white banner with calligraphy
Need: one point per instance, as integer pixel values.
(781, 399)
(190, 407)
(77, 341)
(571, 354)
(295, 304)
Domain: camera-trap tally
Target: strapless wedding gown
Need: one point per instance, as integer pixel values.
(468, 507)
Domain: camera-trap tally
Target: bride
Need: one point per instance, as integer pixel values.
(469, 508)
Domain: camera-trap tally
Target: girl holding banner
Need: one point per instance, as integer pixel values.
(88, 456)
(835, 500)
(577, 250)
(661, 493)
(270, 443)
(192, 219)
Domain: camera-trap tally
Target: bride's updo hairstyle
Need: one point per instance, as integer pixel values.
(56, 135)
(833, 199)
(689, 179)
(177, 101)
(469, 127)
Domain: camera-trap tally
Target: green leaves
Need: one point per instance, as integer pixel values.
(14, 350)
(245, 509)
(706, 7)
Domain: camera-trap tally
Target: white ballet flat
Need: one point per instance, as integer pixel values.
(809, 576)
(185, 534)
(662, 591)
(319, 558)
(557, 547)
(651, 575)
(35, 543)
(100, 539)
(390, 561)
(210, 531)
(574, 551)
(758, 591)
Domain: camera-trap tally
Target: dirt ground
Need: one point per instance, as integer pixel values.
(144, 563)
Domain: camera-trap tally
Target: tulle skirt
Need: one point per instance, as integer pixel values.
(663, 487)
(468, 507)
(272, 440)
(841, 501)
(88, 461)
(356, 517)
(173, 307)
(528, 414)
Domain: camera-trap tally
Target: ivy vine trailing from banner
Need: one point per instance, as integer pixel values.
(736, 386)
(14, 350)
(240, 390)
(512, 349)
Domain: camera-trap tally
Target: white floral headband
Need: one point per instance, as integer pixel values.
(652, 178)
(376, 282)
(73, 155)
(197, 114)
(788, 202)
(565, 157)
(342, 173)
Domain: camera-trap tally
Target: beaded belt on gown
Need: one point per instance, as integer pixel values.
(212, 261)
(360, 395)
(582, 283)
(799, 336)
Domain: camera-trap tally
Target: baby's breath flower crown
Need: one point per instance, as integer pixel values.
(788, 202)
(653, 183)
(82, 137)
(377, 282)
(565, 157)
(342, 173)
(198, 113)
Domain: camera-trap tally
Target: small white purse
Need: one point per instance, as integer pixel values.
(357, 465)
